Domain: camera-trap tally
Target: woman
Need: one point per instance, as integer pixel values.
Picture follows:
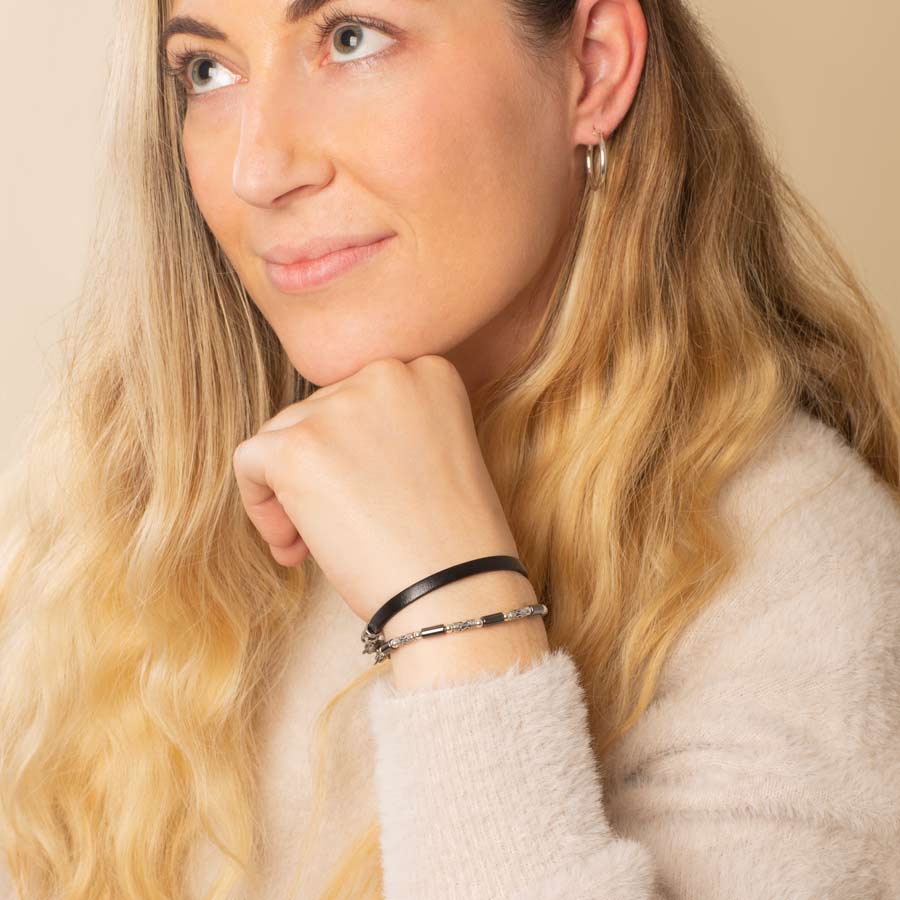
(588, 326)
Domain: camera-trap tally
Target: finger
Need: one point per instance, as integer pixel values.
(274, 524)
(252, 464)
(297, 412)
(290, 556)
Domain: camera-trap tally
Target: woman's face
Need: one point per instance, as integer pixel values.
(437, 133)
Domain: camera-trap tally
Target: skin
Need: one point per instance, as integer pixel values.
(377, 522)
(451, 138)
(446, 134)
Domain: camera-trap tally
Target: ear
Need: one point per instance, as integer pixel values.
(610, 46)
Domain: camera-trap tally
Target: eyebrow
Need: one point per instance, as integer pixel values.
(293, 13)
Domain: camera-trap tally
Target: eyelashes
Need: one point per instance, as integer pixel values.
(334, 17)
(176, 65)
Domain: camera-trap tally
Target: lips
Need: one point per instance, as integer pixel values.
(297, 277)
(286, 254)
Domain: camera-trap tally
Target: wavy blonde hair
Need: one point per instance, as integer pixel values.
(143, 620)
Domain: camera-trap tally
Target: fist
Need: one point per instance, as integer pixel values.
(379, 477)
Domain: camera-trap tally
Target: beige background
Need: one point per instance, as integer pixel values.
(821, 75)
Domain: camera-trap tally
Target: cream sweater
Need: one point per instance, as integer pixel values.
(766, 768)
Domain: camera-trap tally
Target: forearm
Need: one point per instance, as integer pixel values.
(452, 658)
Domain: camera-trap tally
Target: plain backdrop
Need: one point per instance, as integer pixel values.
(821, 75)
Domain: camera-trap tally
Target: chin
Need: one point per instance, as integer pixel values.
(324, 371)
(326, 361)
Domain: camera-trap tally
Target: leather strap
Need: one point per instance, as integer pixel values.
(439, 579)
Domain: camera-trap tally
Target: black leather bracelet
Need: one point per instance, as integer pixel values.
(372, 631)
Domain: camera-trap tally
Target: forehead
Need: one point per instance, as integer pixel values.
(179, 23)
(294, 12)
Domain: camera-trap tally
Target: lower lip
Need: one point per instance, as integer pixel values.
(302, 276)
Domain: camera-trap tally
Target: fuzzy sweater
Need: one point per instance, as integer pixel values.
(767, 766)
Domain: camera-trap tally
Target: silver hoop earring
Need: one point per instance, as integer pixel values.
(593, 179)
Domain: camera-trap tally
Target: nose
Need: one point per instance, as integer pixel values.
(277, 151)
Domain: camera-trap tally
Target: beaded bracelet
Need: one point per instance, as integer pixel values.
(382, 649)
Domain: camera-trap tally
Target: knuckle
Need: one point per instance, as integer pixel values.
(436, 363)
(387, 367)
(282, 418)
(239, 453)
(441, 368)
(429, 359)
(303, 439)
(344, 407)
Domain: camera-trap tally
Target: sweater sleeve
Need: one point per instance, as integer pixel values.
(766, 765)
(488, 789)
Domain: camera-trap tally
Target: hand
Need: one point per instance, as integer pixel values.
(380, 477)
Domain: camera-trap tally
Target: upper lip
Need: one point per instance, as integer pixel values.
(286, 254)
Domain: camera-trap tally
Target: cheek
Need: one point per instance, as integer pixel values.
(445, 139)
(209, 156)
(460, 156)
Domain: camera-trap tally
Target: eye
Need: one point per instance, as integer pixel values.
(181, 65)
(182, 68)
(351, 38)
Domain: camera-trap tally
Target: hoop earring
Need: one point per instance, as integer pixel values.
(593, 180)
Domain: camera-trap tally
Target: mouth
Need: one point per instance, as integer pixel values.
(306, 275)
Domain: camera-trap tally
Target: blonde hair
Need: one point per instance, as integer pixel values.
(143, 619)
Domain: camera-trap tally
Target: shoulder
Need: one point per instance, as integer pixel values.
(808, 474)
(791, 674)
(819, 536)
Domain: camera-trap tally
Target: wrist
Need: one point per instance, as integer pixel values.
(456, 656)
